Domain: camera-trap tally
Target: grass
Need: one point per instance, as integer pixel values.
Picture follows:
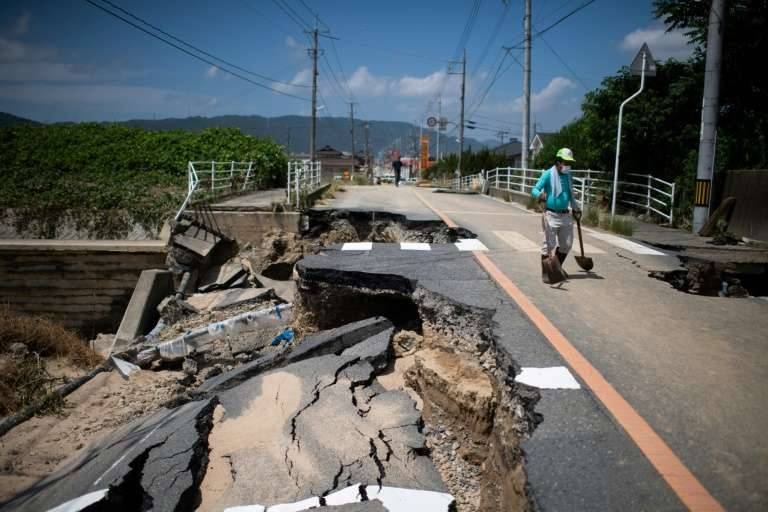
(620, 224)
(23, 375)
(360, 180)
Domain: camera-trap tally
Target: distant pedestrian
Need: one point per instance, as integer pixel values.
(555, 190)
(397, 165)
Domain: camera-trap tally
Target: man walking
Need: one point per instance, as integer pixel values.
(397, 165)
(555, 189)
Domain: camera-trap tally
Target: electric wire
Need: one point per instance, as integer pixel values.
(194, 55)
(179, 40)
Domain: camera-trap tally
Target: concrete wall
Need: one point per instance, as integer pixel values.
(85, 285)
(249, 227)
(509, 195)
(750, 215)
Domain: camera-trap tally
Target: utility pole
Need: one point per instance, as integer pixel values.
(502, 134)
(352, 131)
(288, 146)
(461, 130)
(461, 117)
(439, 116)
(709, 110)
(527, 85)
(368, 153)
(313, 52)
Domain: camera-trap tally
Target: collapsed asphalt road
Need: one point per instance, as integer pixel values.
(422, 407)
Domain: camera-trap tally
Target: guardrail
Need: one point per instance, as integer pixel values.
(645, 191)
(303, 179)
(207, 180)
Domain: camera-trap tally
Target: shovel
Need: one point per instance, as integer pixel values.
(583, 261)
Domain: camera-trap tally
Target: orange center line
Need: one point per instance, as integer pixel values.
(687, 487)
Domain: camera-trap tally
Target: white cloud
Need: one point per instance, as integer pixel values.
(11, 50)
(362, 82)
(21, 25)
(663, 44)
(113, 98)
(303, 77)
(548, 97)
(416, 86)
(211, 72)
(551, 96)
(290, 42)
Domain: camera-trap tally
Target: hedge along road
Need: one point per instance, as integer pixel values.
(678, 372)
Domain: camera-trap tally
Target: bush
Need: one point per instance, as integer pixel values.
(50, 168)
(23, 376)
(621, 224)
(360, 180)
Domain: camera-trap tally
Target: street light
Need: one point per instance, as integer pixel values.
(638, 67)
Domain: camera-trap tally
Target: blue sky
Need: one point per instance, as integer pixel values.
(65, 60)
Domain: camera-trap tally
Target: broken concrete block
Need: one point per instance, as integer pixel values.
(141, 314)
(189, 366)
(229, 275)
(223, 299)
(201, 246)
(286, 290)
(200, 339)
(124, 367)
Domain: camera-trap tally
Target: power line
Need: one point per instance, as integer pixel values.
(491, 39)
(564, 63)
(293, 15)
(191, 54)
(556, 23)
(230, 64)
(468, 26)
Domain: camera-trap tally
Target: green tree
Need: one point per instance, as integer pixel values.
(743, 124)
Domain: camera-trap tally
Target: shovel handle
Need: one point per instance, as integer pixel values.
(581, 242)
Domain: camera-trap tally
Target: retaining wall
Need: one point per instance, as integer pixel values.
(85, 285)
(250, 227)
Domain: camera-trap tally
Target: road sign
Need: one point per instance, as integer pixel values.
(431, 122)
(636, 68)
(424, 152)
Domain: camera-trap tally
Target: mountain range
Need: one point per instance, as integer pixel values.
(293, 132)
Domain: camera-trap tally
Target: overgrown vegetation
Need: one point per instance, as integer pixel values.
(48, 169)
(25, 344)
(471, 163)
(598, 217)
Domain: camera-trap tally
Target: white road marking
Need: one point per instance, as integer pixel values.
(414, 246)
(81, 502)
(501, 214)
(357, 246)
(522, 243)
(470, 244)
(517, 241)
(556, 377)
(623, 243)
(394, 499)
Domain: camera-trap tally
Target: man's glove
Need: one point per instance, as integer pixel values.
(577, 215)
(542, 197)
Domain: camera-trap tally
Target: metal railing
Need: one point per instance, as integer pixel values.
(207, 180)
(303, 179)
(469, 182)
(645, 191)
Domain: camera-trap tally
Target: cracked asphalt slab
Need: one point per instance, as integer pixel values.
(153, 462)
(577, 458)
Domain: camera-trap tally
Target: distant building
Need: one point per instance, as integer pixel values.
(335, 163)
(512, 150)
(538, 143)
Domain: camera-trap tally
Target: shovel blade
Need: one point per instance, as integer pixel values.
(585, 262)
(554, 270)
